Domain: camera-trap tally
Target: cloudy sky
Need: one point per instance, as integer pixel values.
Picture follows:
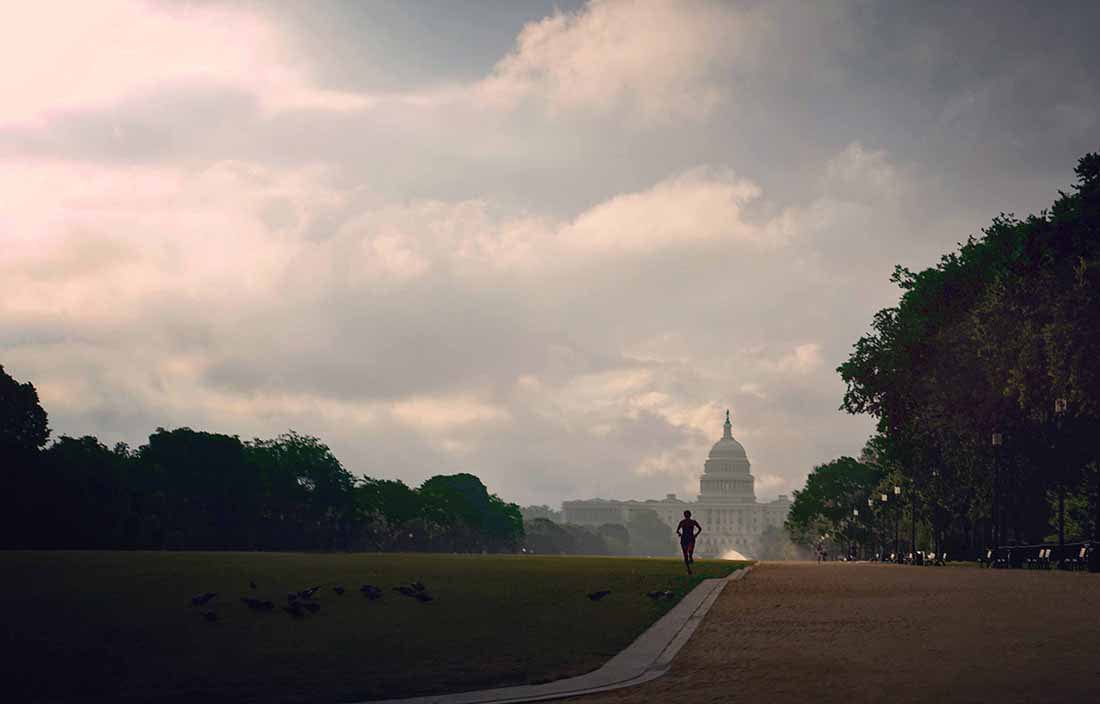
(544, 242)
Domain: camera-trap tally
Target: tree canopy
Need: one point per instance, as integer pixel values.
(985, 342)
(192, 489)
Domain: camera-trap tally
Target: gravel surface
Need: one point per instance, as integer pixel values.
(855, 632)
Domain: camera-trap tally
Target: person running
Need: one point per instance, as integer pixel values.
(688, 530)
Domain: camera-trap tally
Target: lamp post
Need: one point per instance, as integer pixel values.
(935, 511)
(996, 487)
(851, 541)
(913, 526)
(1059, 412)
(871, 515)
(897, 524)
(884, 498)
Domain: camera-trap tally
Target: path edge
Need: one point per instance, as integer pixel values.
(645, 659)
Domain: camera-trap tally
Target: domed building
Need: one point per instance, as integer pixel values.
(727, 508)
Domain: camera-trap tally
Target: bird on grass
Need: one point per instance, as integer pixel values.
(407, 591)
(417, 585)
(312, 606)
(210, 616)
(294, 609)
(423, 597)
(596, 596)
(658, 595)
(339, 590)
(308, 593)
(292, 597)
(257, 604)
(202, 599)
(371, 592)
(251, 584)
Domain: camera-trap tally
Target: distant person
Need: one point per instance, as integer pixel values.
(688, 530)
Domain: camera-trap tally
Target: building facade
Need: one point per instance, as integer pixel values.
(727, 508)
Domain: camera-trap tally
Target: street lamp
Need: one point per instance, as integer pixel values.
(1059, 412)
(897, 525)
(997, 535)
(935, 510)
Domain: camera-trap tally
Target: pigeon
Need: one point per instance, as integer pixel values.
(423, 597)
(308, 593)
(210, 616)
(655, 595)
(257, 604)
(312, 606)
(202, 599)
(417, 585)
(371, 592)
(339, 590)
(252, 584)
(292, 597)
(294, 609)
(596, 596)
(407, 591)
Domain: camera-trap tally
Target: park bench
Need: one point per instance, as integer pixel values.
(1002, 558)
(1040, 560)
(1075, 557)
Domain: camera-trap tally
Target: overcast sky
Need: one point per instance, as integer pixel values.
(547, 243)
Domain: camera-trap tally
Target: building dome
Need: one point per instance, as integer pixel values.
(726, 474)
(727, 449)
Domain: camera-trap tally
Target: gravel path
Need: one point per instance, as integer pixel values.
(837, 632)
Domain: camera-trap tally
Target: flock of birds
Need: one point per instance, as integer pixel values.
(299, 603)
(304, 601)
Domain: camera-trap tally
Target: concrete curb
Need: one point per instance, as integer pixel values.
(647, 658)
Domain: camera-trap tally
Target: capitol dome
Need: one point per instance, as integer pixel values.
(727, 448)
(726, 473)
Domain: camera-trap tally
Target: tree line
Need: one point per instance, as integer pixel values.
(189, 489)
(644, 534)
(984, 380)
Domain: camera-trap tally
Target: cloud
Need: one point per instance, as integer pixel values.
(861, 175)
(804, 359)
(61, 57)
(554, 265)
(446, 413)
(659, 60)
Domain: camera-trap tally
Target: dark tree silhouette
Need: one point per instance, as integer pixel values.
(23, 426)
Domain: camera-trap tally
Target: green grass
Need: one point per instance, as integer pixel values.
(96, 626)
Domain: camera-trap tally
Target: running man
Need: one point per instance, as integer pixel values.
(688, 530)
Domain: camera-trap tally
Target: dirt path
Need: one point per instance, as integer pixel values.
(803, 632)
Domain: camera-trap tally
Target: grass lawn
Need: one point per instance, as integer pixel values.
(96, 626)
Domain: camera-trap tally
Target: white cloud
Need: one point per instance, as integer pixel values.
(861, 175)
(804, 359)
(656, 59)
(63, 56)
(443, 413)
